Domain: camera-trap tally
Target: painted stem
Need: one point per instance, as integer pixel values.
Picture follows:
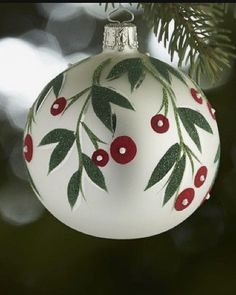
(181, 141)
(78, 144)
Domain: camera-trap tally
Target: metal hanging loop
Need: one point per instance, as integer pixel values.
(120, 8)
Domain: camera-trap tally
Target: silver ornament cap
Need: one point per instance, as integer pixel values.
(120, 36)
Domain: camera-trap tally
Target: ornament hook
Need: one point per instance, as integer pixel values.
(120, 8)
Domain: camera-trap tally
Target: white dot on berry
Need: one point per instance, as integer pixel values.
(56, 106)
(213, 111)
(198, 95)
(208, 197)
(99, 158)
(185, 202)
(160, 123)
(122, 150)
(202, 178)
(25, 149)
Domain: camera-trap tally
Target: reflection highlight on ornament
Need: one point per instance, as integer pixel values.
(28, 68)
(158, 50)
(60, 11)
(42, 39)
(18, 205)
(73, 34)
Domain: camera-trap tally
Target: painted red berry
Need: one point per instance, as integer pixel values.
(184, 199)
(200, 176)
(100, 157)
(58, 106)
(160, 123)
(123, 149)
(211, 110)
(28, 148)
(196, 95)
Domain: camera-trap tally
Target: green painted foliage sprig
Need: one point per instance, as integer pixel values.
(198, 36)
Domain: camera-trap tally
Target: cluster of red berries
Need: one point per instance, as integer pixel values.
(160, 123)
(186, 197)
(57, 107)
(197, 97)
(123, 149)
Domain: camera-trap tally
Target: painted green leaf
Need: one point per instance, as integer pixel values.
(57, 135)
(114, 122)
(93, 172)
(176, 73)
(60, 152)
(124, 66)
(141, 79)
(190, 128)
(98, 71)
(161, 68)
(57, 84)
(30, 119)
(196, 118)
(175, 179)
(217, 156)
(164, 165)
(132, 66)
(166, 101)
(101, 99)
(111, 96)
(134, 77)
(102, 109)
(73, 188)
(65, 139)
(164, 69)
(94, 139)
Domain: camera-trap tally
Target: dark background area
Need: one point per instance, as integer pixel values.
(38, 254)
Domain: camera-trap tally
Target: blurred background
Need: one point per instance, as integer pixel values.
(40, 255)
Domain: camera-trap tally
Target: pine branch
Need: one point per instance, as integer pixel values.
(198, 36)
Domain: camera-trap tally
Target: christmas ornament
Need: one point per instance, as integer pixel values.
(121, 145)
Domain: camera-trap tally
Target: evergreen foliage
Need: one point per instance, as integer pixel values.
(198, 36)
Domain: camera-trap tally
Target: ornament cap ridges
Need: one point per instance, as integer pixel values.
(120, 36)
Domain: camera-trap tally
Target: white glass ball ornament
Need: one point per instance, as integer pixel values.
(121, 145)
